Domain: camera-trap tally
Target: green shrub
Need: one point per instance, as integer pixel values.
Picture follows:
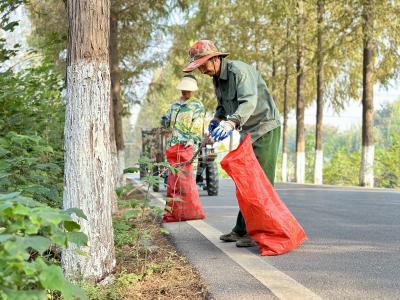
(28, 164)
(387, 164)
(343, 168)
(31, 237)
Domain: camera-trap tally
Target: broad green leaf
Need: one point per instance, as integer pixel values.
(39, 243)
(78, 238)
(71, 226)
(5, 205)
(52, 278)
(25, 295)
(73, 292)
(51, 215)
(59, 237)
(21, 210)
(77, 211)
(28, 201)
(5, 237)
(9, 196)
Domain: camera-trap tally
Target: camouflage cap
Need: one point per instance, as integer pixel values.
(200, 52)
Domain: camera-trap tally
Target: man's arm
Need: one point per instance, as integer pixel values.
(246, 88)
(220, 113)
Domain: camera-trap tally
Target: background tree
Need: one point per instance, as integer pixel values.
(367, 155)
(89, 182)
(136, 28)
(300, 148)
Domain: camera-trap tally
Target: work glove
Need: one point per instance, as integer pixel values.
(213, 124)
(223, 130)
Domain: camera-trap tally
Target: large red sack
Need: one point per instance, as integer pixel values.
(268, 221)
(183, 186)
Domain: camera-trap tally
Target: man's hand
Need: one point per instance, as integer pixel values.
(213, 124)
(223, 130)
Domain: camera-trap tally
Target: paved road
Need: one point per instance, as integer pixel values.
(353, 251)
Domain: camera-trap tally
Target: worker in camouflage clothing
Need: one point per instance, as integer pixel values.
(244, 103)
(186, 116)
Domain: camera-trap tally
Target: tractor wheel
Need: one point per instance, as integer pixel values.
(212, 178)
(156, 186)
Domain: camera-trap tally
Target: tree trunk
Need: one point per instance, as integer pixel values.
(88, 182)
(116, 98)
(273, 74)
(367, 157)
(285, 109)
(300, 155)
(318, 160)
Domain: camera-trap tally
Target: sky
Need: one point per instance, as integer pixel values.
(352, 114)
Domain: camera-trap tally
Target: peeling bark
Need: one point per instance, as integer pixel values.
(88, 179)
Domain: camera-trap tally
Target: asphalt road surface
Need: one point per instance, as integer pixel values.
(353, 250)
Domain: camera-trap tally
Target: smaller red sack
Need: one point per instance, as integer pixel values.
(268, 221)
(183, 186)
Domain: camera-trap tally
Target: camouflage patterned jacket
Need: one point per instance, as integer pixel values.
(186, 120)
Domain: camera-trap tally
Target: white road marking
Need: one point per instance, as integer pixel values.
(280, 284)
(339, 190)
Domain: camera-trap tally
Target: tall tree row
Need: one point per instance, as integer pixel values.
(308, 52)
(88, 179)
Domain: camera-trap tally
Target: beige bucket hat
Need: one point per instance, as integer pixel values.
(188, 83)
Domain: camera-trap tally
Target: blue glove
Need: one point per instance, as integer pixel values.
(213, 124)
(223, 130)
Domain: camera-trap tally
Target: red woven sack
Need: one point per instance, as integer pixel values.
(268, 221)
(183, 186)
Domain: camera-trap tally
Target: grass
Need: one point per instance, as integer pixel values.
(148, 265)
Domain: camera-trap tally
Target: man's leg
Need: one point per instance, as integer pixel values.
(266, 150)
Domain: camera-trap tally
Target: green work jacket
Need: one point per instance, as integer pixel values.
(243, 97)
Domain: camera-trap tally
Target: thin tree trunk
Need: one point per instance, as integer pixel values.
(116, 97)
(318, 160)
(300, 155)
(273, 75)
(285, 109)
(88, 180)
(367, 157)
